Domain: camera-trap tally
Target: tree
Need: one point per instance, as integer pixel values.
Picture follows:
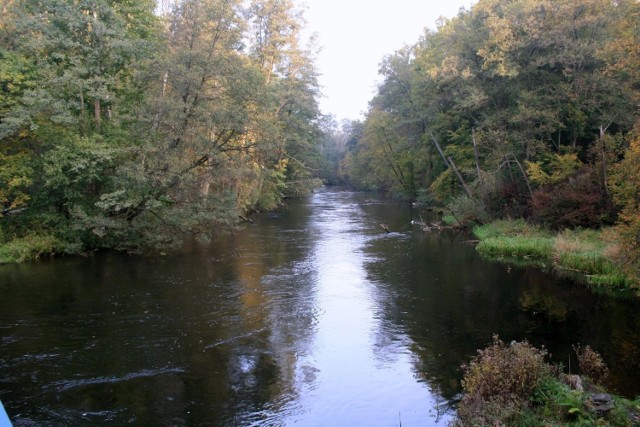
(489, 100)
(625, 181)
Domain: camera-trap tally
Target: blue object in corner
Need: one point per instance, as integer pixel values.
(4, 418)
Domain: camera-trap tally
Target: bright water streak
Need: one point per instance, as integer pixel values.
(362, 370)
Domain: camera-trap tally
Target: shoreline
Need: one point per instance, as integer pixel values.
(589, 256)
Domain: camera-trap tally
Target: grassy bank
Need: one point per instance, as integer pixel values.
(590, 255)
(513, 385)
(29, 248)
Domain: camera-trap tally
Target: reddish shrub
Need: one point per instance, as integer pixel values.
(577, 202)
(507, 200)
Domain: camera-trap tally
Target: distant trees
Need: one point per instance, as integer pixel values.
(121, 128)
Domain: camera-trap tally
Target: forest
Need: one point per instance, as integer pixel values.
(129, 125)
(519, 109)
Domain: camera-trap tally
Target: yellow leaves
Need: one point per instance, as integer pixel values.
(625, 179)
(18, 181)
(625, 185)
(496, 51)
(14, 181)
(20, 201)
(282, 165)
(536, 174)
(443, 186)
(557, 168)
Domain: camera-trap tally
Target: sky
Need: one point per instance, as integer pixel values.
(354, 37)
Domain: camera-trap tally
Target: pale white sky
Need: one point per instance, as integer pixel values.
(355, 35)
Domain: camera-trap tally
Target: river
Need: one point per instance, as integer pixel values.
(312, 316)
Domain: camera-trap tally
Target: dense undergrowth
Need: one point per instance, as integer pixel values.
(594, 256)
(513, 385)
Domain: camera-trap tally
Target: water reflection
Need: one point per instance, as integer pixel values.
(450, 302)
(313, 316)
(360, 370)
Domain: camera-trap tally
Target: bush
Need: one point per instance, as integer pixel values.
(512, 371)
(500, 380)
(577, 202)
(591, 364)
(466, 210)
(506, 199)
(512, 385)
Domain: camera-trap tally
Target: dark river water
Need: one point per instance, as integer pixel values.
(313, 316)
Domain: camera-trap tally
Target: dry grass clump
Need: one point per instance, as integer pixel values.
(500, 380)
(513, 385)
(591, 364)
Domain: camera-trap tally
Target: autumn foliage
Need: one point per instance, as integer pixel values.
(577, 202)
(626, 191)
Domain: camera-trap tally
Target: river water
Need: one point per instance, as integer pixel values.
(312, 316)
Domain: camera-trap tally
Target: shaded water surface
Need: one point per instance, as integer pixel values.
(313, 316)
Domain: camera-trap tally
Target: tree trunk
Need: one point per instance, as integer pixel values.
(97, 113)
(477, 157)
(83, 117)
(603, 152)
(457, 172)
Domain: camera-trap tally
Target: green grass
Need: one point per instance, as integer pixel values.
(517, 247)
(514, 239)
(29, 248)
(590, 253)
(509, 228)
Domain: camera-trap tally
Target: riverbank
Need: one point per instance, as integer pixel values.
(591, 256)
(31, 248)
(513, 384)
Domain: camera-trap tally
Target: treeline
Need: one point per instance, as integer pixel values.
(130, 124)
(514, 108)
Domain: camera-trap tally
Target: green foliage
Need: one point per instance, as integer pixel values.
(15, 179)
(273, 188)
(556, 404)
(145, 129)
(467, 210)
(72, 172)
(518, 96)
